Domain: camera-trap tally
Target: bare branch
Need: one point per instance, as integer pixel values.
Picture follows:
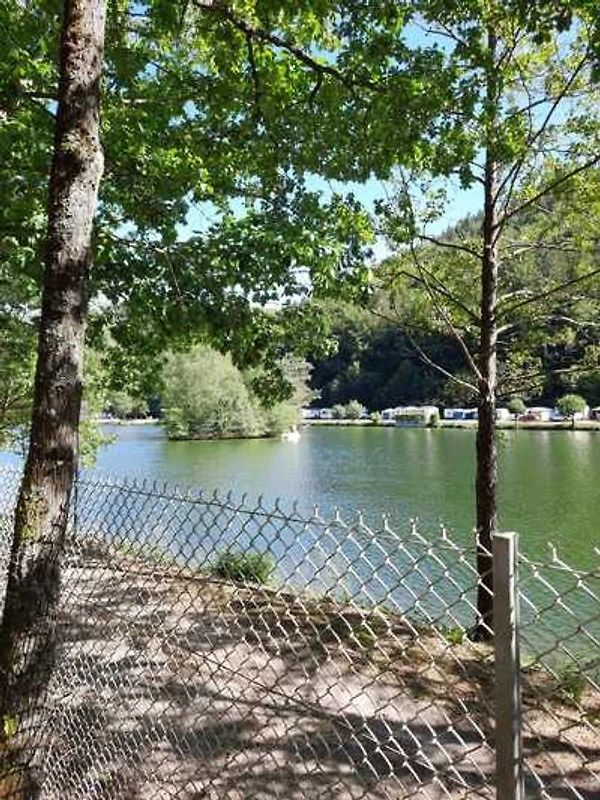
(517, 249)
(439, 288)
(451, 245)
(548, 188)
(530, 379)
(423, 355)
(548, 293)
(441, 311)
(511, 177)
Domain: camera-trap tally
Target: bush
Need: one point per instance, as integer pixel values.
(375, 417)
(122, 405)
(354, 410)
(516, 406)
(247, 566)
(339, 411)
(572, 684)
(571, 404)
(205, 396)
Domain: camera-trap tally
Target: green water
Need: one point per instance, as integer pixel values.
(549, 480)
(548, 494)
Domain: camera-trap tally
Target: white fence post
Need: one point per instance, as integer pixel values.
(507, 668)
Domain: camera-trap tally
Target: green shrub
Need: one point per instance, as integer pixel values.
(433, 421)
(571, 404)
(205, 397)
(354, 410)
(339, 411)
(375, 417)
(247, 566)
(572, 684)
(454, 635)
(516, 406)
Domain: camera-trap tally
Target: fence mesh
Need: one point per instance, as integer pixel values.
(217, 648)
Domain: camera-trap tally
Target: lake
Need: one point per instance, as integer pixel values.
(548, 493)
(549, 488)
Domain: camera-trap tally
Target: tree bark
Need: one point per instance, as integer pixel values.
(27, 635)
(486, 447)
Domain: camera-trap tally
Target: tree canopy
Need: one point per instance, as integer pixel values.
(205, 396)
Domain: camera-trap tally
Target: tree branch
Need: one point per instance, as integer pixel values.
(440, 289)
(260, 34)
(445, 317)
(548, 293)
(423, 355)
(451, 246)
(513, 173)
(548, 188)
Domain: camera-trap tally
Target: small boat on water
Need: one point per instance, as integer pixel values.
(293, 435)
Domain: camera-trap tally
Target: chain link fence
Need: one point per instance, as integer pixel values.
(217, 648)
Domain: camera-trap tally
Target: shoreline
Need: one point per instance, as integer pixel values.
(448, 424)
(584, 425)
(141, 421)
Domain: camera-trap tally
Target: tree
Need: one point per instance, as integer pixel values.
(205, 396)
(516, 406)
(521, 91)
(339, 411)
(570, 405)
(354, 410)
(123, 405)
(372, 360)
(179, 77)
(17, 364)
(26, 633)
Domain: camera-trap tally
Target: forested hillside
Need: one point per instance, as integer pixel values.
(395, 351)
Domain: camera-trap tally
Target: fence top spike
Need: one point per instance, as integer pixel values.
(553, 551)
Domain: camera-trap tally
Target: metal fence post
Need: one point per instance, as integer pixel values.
(507, 668)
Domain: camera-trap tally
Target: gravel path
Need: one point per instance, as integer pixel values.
(174, 685)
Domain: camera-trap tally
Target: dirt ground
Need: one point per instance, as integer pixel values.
(175, 685)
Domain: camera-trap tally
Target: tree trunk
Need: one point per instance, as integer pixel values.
(486, 448)
(27, 637)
